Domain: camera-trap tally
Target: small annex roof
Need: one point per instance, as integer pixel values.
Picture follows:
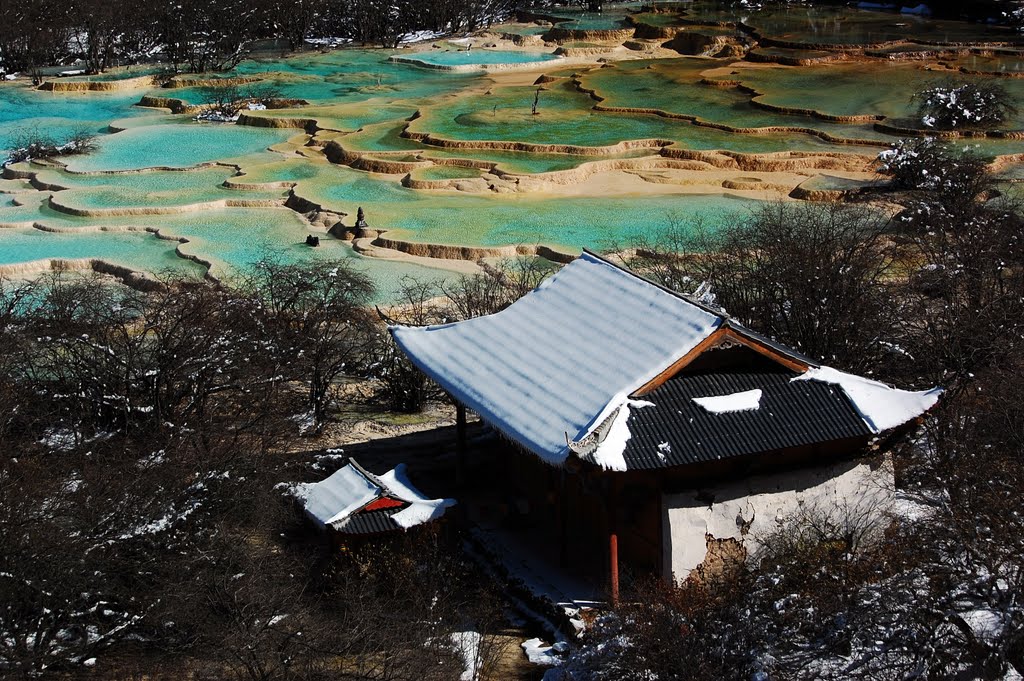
(550, 367)
(354, 501)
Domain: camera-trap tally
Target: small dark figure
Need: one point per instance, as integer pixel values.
(36, 81)
(536, 99)
(313, 241)
(361, 219)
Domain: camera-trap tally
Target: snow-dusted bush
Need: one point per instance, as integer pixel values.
(966, 105)
(926, 163)
(29, 144)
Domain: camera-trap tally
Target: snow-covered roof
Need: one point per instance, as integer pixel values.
(554, 364)
(339, 499)
(555, 371)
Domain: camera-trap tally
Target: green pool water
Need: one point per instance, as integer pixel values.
(445, 173)
(520, 162)
(175, 146)
(997, 63)
(878, 88)
(380, 137)
(455, 218)
(478, 57)
(657, 18)
(674, 85)
(566, 117)
(197, 180)
(387, 137)
(851, 26)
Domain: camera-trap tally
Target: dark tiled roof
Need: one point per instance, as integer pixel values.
(370, 522)
(791, 414)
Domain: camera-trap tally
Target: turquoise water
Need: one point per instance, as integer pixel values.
(350, 76)
(176, 146)
(364, 102)
(59, 114)
(137, 250)
(479, 57)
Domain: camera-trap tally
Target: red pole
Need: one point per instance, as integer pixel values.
(613, 551)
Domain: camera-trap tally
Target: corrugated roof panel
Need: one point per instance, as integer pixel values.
(369, 522)
(547, 366)
(790, 414)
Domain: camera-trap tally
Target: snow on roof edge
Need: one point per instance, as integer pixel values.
(609, 452)
(882, 406)
(745, 400)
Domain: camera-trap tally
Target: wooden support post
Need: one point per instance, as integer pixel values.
(613, 554)
(461, 446)
(613, 538)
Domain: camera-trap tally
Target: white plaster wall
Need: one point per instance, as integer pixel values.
(761, 502)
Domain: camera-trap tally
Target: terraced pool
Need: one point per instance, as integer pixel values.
(567, 153)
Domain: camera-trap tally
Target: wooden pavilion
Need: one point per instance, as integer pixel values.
(653, 430)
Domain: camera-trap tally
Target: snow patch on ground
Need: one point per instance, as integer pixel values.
(540, 653)
(467, 646)
(986, 624)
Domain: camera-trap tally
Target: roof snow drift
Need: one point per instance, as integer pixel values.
(350, 501)
(881, 406)
(545, 369)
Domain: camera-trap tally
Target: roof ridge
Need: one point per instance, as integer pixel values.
(371, 477)
(724, 316)
(727, 319)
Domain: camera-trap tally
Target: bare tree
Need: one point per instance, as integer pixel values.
(317, 315)
(815, 276)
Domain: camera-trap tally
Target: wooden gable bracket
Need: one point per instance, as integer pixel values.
(724, 335)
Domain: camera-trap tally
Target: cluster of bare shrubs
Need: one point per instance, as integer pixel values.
(140, 523)
(32, 143)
